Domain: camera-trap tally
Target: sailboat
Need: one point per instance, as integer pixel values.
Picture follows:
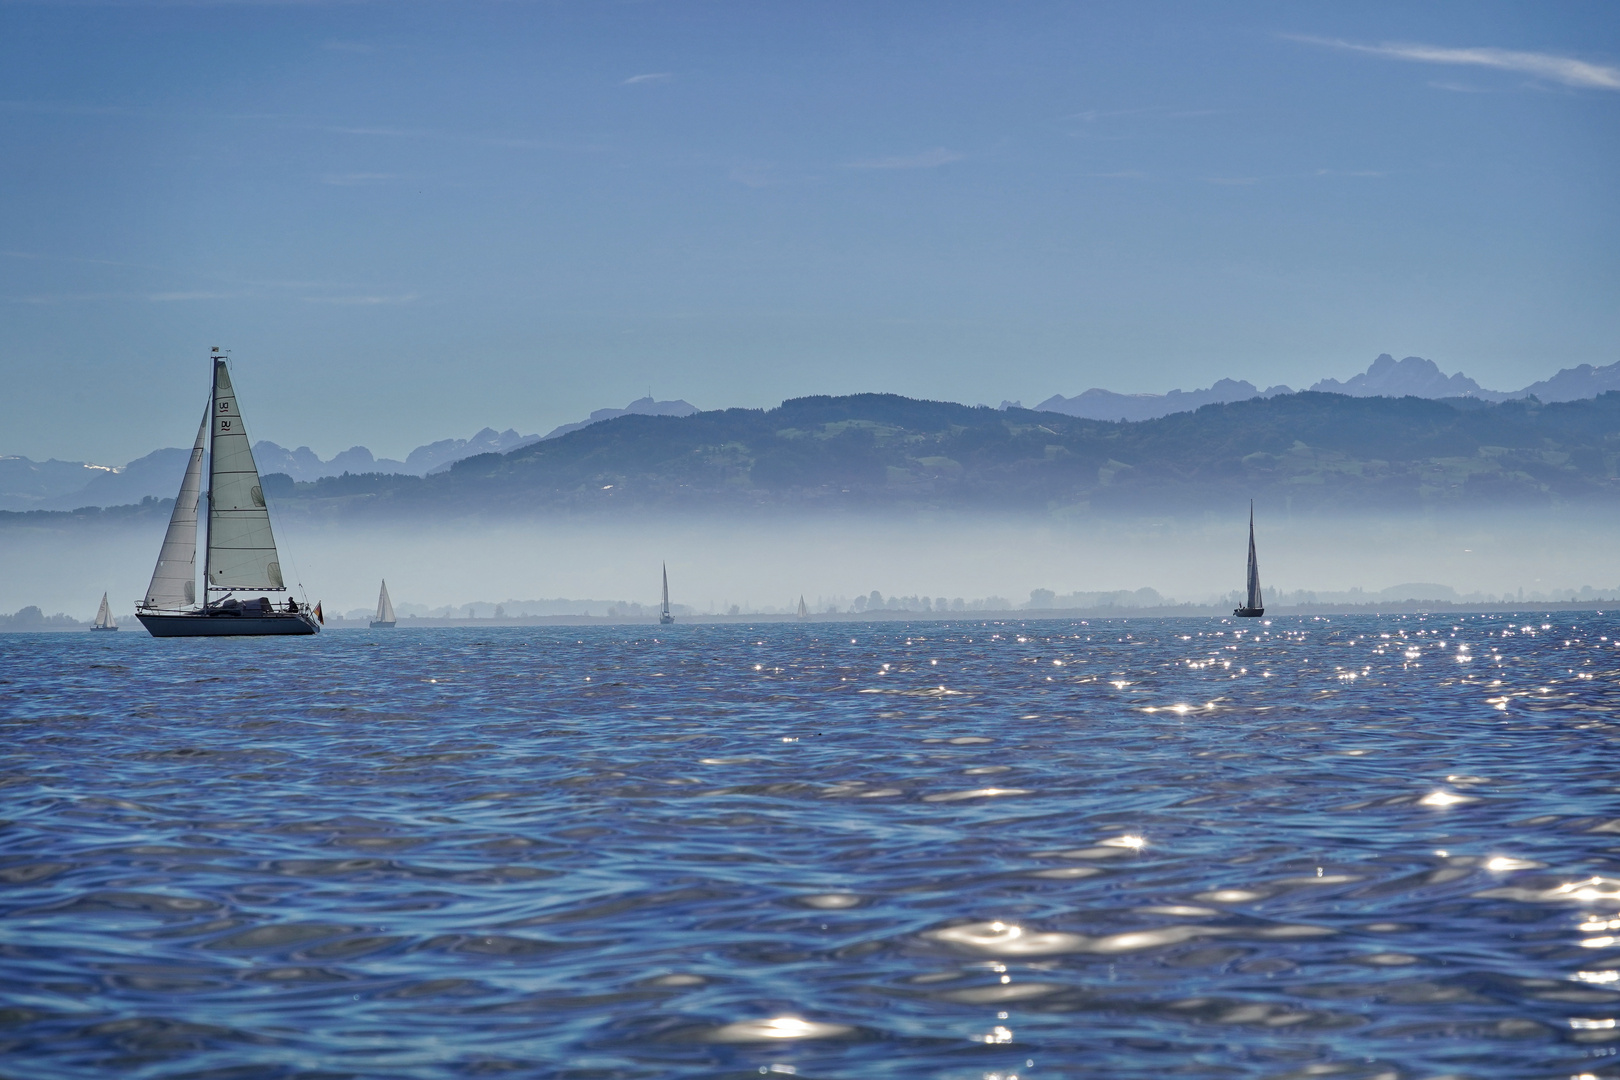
(385, 611)
(104, 619)
(804, 612)
(239, 550)
(1253, 606)
(664, 617)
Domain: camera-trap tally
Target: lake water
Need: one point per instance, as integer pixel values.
(1348, 847)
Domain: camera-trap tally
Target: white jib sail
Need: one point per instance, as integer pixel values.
(385, 607)
(104, 613)
(174, 581)
(241, 549)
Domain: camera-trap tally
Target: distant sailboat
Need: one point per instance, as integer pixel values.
(804, 612)
(385, 611)
(1253, 606)
(104, 619)
(239, 550)
(664, 616)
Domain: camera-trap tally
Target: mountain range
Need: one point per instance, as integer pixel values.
(1385, 377)
(60, 485)
(1305, 451)
(68, 485)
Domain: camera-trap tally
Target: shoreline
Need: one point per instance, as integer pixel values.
(1187, 611)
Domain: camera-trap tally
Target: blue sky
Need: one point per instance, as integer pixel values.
(412, 220)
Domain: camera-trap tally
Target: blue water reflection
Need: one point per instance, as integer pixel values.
(1357, 847)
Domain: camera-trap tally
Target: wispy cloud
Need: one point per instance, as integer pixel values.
(754, 174)
(383, 131)
(1165, 112)
(1246, 181)
(404, 298)
(651, 76)
(928, 159)
(77, 259)
(357, 179)
(1562, 69)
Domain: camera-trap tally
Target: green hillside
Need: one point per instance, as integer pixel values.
(1304, 451)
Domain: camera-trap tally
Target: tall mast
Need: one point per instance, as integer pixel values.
(208, 527)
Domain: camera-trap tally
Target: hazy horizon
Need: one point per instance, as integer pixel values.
(716, 562)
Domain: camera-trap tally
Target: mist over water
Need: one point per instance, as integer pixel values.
(752, 563)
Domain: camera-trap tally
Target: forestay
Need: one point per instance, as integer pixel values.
(174, 580)
(241, 548)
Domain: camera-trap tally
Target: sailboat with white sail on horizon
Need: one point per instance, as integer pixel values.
(239, 548)
(1253, 604)
(664, 615)
(104, 619)
(385, 611)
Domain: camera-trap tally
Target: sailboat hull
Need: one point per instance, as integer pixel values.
(104, 628)
(379, 624)
(666, 620)
(1249, 612)
(200, 625)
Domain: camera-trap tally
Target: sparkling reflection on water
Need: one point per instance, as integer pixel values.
(1357, 847)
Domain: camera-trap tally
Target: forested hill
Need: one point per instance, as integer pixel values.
(1302, 451)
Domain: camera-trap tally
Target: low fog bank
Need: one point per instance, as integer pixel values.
(535, 568)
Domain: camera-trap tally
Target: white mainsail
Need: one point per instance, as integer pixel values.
(241, 548)
(1254, 600)
(174, 580)
(385, 607)
(104, 617)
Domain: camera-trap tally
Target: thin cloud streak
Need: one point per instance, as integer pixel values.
(361, 300)
(651, 76)
(930, 159)
(358, 179)
(1562, 69)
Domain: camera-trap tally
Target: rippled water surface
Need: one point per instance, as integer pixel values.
(1353, 847)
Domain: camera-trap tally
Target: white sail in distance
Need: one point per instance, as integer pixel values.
(1254, 600)
(241, 548)
(104, 613)
(385, 607)
(174, 579)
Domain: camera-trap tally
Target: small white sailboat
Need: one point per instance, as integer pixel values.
(664, 616)
(104, 619)
(385, 611)
(239, 550)
(804, 612)
(1253, 604)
